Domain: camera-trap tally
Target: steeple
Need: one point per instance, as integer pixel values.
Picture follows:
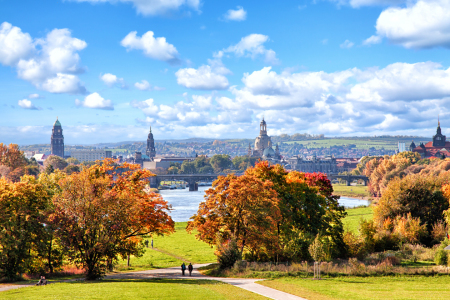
(438, 138)
(151, 150)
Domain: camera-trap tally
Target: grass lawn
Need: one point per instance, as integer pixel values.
(417, 287)
(354, 215)
(172, 251)
(356, 191)
(134, 289)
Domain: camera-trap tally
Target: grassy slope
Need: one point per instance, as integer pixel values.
(417, 287)
(134, 289)
(354, 215)
(356, 191)
(172, 251)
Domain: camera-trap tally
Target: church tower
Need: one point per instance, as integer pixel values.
(151, 150)
(438, 138)
(57, 140)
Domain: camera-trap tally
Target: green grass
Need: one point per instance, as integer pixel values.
(134, 289)
(185, 246)
(354, 215)
(171, 251)
(356, 191)
(389, 287)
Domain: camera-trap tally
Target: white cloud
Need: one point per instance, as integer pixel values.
(156, 48)
(112, 80)
(147, 106)
(203, 78)
(359, 3)
(14, 44)
(374, 39)
(236, 15)
(143, 85)
(347, 44)
(252, 46)
(34, 96)
(50, 63)
(424, 24)
(94, 100)
(26, 104)
(154, 7)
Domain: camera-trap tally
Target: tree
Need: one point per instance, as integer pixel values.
(73, 160)
(72, 169)
(11, 156)
(220, 162)
(21, 206)
(56, 162)
(188, 167)
(417, 194)
(103, 211)
(243, 209)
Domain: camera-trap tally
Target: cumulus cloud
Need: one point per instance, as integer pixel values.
(203, 78)
(49, 63)
(112, 80)
(236, 15)
(143, 85)
(26, 104)
(374, 39)
(94, 100)
(34, 96)
(347, 44)
(424, 24)
(153, 7)
(156, 48)
(360, 3)
(253, 46)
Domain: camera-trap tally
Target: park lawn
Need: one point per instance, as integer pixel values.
(354, 215)
(151, 259)
(361, 288)
(356, 191)
(134, 289)
(185, 246)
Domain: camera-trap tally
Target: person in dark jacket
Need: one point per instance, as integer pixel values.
(190, 268)
(183, 268)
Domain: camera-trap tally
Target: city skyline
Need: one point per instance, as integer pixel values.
(109, 69)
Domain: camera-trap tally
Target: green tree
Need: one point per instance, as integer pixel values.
(21, 206)
(56, 162)
(73, 160)
(220, 162)
(188, 167)
(72, 169)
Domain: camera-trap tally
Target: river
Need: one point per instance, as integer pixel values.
(185, 203)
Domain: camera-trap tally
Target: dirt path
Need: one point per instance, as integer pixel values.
(175, 273)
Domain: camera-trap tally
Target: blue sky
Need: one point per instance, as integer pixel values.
(111, 68)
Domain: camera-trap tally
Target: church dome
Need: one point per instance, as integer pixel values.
(269, 152)
(57, 123)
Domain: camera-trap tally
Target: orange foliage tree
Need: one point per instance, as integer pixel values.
(243, 209)
(103, 211)
(304, 207)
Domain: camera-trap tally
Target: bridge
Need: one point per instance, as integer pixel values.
(349, 178)
(191, 179)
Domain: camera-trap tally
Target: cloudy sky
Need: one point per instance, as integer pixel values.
(108, 69)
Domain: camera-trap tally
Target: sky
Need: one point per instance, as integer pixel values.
(109, 69)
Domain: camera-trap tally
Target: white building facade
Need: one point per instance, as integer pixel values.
(90, 155)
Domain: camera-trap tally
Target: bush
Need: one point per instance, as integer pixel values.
(228, 254)
(440, 258)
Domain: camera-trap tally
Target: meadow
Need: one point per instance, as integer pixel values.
(359, 143)
(354, 215)
(362, 288)
(355, 191)
(134, 289)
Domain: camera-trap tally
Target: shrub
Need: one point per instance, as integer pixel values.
(228, 254)
(440, 258)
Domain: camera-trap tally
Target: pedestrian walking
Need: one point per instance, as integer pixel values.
(152, 243)
(190, 268)
(146, 243)
(183, 268)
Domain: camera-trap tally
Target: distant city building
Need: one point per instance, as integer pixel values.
(91, 155)
(164, 162)
(263, 145)
(325, 165)
(57, 140)
(439, 147)
(151, 150)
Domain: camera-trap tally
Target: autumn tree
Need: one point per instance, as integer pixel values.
(56, 162)
(241, 209)
(21, 206)
(11, 156)
(103, 211)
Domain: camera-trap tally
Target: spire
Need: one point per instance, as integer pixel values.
(150, 129)
(439, 123)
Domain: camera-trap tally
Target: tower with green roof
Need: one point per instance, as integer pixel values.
(57, 140)
(151, 150)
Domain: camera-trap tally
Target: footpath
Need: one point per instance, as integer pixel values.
(175, 273)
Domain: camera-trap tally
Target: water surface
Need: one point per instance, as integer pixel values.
(185, 203)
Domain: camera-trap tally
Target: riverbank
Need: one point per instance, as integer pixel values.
(353, 191)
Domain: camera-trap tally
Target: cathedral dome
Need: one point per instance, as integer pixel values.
(269, 152)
